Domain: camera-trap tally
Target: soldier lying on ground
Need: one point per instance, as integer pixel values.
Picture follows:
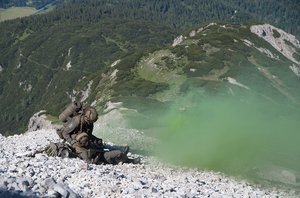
(77, 131)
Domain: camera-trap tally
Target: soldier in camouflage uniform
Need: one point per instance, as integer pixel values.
(77, 131)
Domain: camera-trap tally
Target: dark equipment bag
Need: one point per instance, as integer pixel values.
(73, 109)
(60, 150)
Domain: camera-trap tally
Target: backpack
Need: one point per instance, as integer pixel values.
(73, 109)
(60, 150)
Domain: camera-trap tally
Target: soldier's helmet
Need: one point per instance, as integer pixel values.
(91, 114)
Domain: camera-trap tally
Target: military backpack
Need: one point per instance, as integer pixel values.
(60, 150)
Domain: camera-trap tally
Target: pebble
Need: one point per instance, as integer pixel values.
(42, 176)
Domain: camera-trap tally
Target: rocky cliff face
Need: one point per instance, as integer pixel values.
(283, 42)
(40, 121)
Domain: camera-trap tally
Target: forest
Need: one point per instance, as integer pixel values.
(178, 14)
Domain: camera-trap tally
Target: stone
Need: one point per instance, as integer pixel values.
(53, 194)
(60, 188)
(40, 157)
(48, 183)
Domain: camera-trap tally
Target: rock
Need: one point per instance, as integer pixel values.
(115, 189)
(53, 194)
(154, 190)
(61, 189)
(40, 157)
(23, 184)
(39, 121)
(143, 181)
(48, 183)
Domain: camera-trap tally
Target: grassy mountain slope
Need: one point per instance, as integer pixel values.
(217, 58)
(44, 69)
(67, 53)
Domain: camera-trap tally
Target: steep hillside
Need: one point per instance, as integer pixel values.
(258, 60)
(86, 46)
(102, 65)
(45, 69)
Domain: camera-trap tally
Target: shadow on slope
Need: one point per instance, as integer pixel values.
(4, 193)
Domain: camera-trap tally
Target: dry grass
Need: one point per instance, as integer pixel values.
(16, 12)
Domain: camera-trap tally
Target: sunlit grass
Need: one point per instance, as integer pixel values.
(16, 12)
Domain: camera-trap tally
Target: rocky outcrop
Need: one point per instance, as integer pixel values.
(283, 42)
(39, 121)
(177, 40)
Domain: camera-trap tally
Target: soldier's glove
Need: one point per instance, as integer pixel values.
(73, 142)
(99, 142)
(84, 141)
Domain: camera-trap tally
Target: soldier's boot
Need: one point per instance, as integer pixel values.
(97, 160)
(124, 149)
(134, 160)
(116, 157)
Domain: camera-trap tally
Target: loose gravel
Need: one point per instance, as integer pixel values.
(24, 172)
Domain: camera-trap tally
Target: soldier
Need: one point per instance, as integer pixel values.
(81, 125)
(77, 131)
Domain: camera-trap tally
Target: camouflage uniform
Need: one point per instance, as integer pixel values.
(76, 126)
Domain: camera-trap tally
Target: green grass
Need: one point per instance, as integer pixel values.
(156, 68)
(53, 119)
(16, 12)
